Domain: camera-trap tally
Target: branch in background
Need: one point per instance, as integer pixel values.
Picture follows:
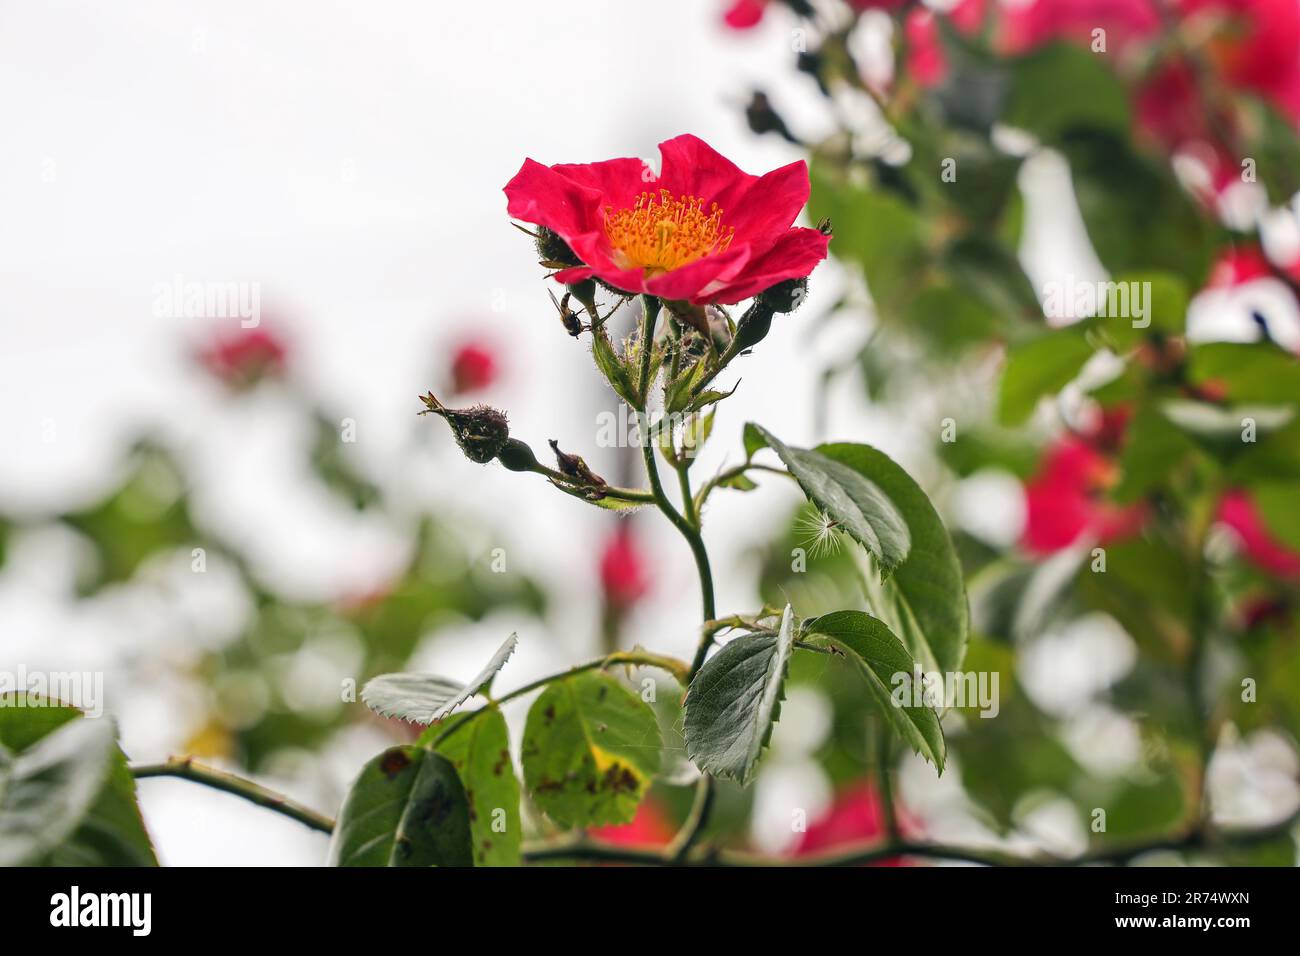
(187, 768)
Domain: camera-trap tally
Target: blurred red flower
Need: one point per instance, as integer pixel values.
(1261, 548)
(702, 231)
(242, 357)
(1066, 498)
(624, 571)
(856, 816)
(473, 367)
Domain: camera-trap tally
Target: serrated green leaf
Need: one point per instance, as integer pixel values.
(890, 673)
(735, 700)
(590, 748)
(480, 752)
(924, 600)
(406, 808)
(850, 498)
(425, 698)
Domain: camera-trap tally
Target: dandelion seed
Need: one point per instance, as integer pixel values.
(820, 533)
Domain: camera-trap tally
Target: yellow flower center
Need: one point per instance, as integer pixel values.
(661, 233)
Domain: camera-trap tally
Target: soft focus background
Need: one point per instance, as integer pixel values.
(348, 159)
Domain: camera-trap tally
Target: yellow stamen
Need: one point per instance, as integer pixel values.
(661, 233)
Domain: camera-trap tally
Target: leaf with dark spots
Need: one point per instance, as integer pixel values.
(394, 762)
(480, 750)
(590, 749)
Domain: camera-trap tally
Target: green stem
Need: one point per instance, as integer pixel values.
(707, 488)
(688, 531)
(680, 848)
(187, 768)
(884, 778)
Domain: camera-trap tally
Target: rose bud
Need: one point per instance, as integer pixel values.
(554, 251)
(574, 467)
(517, 456)
(480, 431)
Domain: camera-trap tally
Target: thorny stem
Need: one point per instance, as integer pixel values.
(187, 768)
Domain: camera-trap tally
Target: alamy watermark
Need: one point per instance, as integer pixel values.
(628, 428)
(1072, 298)
(81, 689)
(182, 299)
(969, 689)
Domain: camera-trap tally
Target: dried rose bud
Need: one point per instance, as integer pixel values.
(574, 467)
(480, 431)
